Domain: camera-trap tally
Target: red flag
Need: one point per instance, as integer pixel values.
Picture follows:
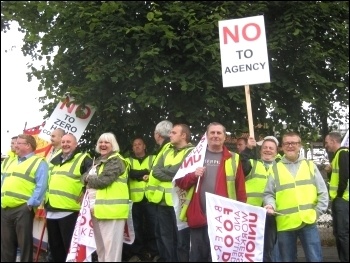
(43, 147)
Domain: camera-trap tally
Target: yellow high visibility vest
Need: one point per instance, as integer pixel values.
(137, 188)
(65, 185)
(112, 202)
(19, 184)
(334, 182)
(255, 182)
(296, 198)
(152, 183)
(163, 190)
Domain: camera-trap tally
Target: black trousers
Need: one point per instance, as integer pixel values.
(17, 231)
(60, 232)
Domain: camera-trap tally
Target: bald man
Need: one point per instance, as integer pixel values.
(55, 137)
(62, 202)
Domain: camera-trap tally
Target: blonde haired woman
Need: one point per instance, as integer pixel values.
(106, 183)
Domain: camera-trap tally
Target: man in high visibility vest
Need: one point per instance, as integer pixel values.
(143, 213)
(257, 171)
(55, 137)
(176, 243)
(22, 190)
(339, 193)
(222, 174)
(297, 195)
(64, 194)
(161, 137)
(11, 155)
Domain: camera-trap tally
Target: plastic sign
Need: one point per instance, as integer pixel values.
(243, 51)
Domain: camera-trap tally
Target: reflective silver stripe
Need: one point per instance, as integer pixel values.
(335, 188)
(26, 175)
(137, 190)
(122, 180)
(230, 178)
(289, 210)
(284, 187)
(152, 187)
(306, 206)
(70, 173)
(150, 161)
(61, 193)
(187, 202)
(168, 190)
(335, 170)
(256, 194)
(16, 195)
(304, 182)
(111, 201)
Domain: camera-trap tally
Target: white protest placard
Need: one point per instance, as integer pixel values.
(236, 230)
(68, 116)
(345, 141)
(83, 240)
(193, 160)
(243, 50)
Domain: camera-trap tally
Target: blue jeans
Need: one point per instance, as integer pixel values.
(340, 214)
(310, 241)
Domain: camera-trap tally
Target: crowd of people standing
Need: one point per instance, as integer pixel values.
(288, 186)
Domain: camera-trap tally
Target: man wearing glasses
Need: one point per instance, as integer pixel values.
(296, 194)
(22, 190)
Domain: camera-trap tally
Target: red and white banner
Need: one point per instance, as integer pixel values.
(236, 230)
(129, 232)
(193, 160)
(70, 117)
(83, 240)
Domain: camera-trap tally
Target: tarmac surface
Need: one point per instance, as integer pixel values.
(329, 254)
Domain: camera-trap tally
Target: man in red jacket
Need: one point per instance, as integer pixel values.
(215, 177)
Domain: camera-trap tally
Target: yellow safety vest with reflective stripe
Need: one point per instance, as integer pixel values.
(64, 184)
(152, 183)
(296, 197)
(51, 165)
(334, 182)
(255, 182)
(112, 202)
(19, 184)
(6, 163)
(231, 165)
(163, 190)
(137, 188)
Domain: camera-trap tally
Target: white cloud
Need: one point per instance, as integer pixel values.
(19, 98)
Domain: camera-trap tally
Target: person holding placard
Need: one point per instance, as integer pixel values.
(222, 174)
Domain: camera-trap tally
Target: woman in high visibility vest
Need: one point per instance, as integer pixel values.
(107, 187)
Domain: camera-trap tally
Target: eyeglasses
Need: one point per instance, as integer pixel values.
(290, 143)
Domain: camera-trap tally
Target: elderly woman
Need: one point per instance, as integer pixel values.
(106, 183)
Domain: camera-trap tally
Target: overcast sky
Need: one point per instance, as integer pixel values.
(19, 98)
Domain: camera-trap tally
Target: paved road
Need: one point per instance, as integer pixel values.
(329, 254)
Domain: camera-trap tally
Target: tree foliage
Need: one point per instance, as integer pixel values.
(139, 62)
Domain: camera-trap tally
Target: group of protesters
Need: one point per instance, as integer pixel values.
(289, 187)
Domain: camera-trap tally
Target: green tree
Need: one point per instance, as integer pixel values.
(140, 62)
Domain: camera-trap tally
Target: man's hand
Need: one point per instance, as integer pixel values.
(145, 177)
(251, 142)
(199, 171)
